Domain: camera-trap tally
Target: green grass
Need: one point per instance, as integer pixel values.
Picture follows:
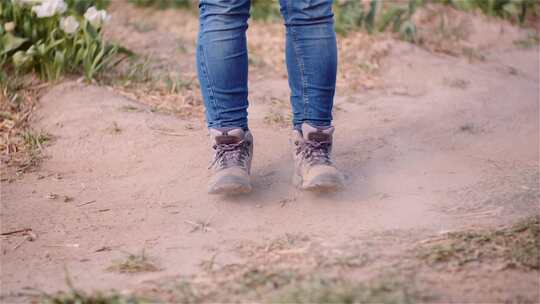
(80, 297)
(514, 10)
(265, 10)
(261, 284)
(134, 71)
(340, 291)
(74, 295)
(141, 72)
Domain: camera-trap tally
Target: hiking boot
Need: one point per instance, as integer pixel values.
(314, 169)
(231, 164)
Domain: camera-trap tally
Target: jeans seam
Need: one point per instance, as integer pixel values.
(300, 61)
(209, 84)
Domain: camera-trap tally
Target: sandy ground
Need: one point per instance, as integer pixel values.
(440, 144)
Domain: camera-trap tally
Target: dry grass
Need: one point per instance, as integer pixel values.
(293, 268)
(532, 40)
(21, 146)
(80, 297)
(114, 128)
(514, 247)
(199, 225)
(148, 81)
(134, 263)
(130, 109)
(382, 290)
(278, 284)
(296, 269)
(457, 83)
(276, 118)
(287, 269)
(74, 295)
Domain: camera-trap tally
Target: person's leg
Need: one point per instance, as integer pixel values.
(222, 63)
(311, 55)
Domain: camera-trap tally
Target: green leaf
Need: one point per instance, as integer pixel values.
(10, 43)
(408, 31)
(387, 18)
(370, 18)
(511, 9)
(21, 60)
(125, 51)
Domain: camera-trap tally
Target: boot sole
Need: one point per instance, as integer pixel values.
(230, 185)
(321, 184)
(229, 189)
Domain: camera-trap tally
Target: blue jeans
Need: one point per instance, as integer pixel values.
(222, 60)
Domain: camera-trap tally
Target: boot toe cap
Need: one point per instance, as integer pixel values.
(230, 181)
(323, 178)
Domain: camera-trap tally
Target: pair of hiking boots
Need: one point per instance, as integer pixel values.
(233, 152)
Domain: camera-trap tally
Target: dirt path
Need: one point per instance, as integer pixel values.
(442, 145)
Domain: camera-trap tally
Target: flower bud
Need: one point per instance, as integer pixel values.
(9, 27)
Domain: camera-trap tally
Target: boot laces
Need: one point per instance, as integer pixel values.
(314, 152)
(230, 155)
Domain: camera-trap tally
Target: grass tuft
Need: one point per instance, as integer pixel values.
(532, 40)
(35, 140)
(20, 145)
(516, 246)
(338, 291)
(134, 263)
(77, 296)
(80, 297)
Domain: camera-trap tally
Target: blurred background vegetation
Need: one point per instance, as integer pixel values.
(380, 15)
(372, 16)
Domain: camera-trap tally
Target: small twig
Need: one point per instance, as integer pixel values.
(28, 236)
(87, 203)
(195, 225)
(19, 244)
(176, 247)
(63, 245)
(204, 227)
(104, 248)
(16, 231)
(164, 132)
(167, 132)
(39, 86)
(293, 251)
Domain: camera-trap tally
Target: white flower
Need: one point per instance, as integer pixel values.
(96, 17)
(9, 27)
(69, 24)
(49, 8)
